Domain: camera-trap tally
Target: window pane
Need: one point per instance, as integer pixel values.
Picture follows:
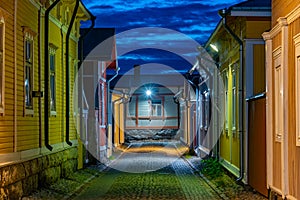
(52, 91)
(52, 62)
(28, 50)
(28, 87)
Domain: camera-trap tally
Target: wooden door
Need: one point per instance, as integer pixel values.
(257, 145)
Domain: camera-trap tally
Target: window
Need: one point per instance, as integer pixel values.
(156, 108)
(1, 65)
(206, 110)
(28, 82)
(297, 99)
(225, 79)
(52, 78)
(278, 93)
(28, 69)
(234, 105)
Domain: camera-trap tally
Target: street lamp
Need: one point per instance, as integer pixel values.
(148, 92)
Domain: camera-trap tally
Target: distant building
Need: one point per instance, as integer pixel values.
(283, 100)
(99, 56)
(38, 63)
(145, 102)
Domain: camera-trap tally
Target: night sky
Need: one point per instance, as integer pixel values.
(188, 24)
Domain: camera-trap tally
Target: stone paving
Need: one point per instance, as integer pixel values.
(149, 171)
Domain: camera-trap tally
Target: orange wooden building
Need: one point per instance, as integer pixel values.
(283, 99)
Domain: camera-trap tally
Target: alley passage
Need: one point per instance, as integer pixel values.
(162, 175)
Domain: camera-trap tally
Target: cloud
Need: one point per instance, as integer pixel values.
(195, 19)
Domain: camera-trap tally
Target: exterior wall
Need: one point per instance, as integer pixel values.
(6, 117)
(139, 115)
(25, 161)
(20, 179)
(282, 8)
(118, 116)
(249, 30)
(282, 148)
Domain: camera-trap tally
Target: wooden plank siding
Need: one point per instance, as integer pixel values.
(285, 178)
(6, 120)
(27, 135)
(282, 8)
(27, 126)
(293, 150)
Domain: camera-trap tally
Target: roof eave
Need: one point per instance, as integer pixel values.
(250, 13)
(218, 27)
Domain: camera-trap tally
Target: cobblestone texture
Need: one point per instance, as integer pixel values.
(161, 175)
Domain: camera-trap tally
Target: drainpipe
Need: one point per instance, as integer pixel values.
(40, 75)
(223, 13)
(46, 75)
(68, 75)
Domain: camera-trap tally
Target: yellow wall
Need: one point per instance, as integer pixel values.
(257, 27)
(229, 140)
(119, 122)
(28, 136)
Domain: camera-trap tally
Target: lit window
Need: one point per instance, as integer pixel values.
(156, 108)
(52, 78)
(1, 65)
(234, 105)
(28, 69)
(225, 79)
(52, 82)
(28, 82)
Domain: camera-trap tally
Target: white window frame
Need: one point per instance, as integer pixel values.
(234, 99)
(225, 79)
(28, 64)
(52, 73)
(297, 98)
(156, 105)
(2, 64)
(278, 94)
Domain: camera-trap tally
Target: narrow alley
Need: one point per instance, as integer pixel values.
(161, 175)
(149, 99)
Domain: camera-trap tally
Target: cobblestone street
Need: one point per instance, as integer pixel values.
(148, 171)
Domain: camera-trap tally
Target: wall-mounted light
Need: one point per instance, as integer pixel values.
(214, 47)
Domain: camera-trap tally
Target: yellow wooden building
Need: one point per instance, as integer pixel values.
(283, 100)
(238, 49)
(38, 64)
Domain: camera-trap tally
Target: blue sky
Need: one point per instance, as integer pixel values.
(195, 18)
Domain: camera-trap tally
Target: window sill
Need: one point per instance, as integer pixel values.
(29, 112)
(52, 113)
